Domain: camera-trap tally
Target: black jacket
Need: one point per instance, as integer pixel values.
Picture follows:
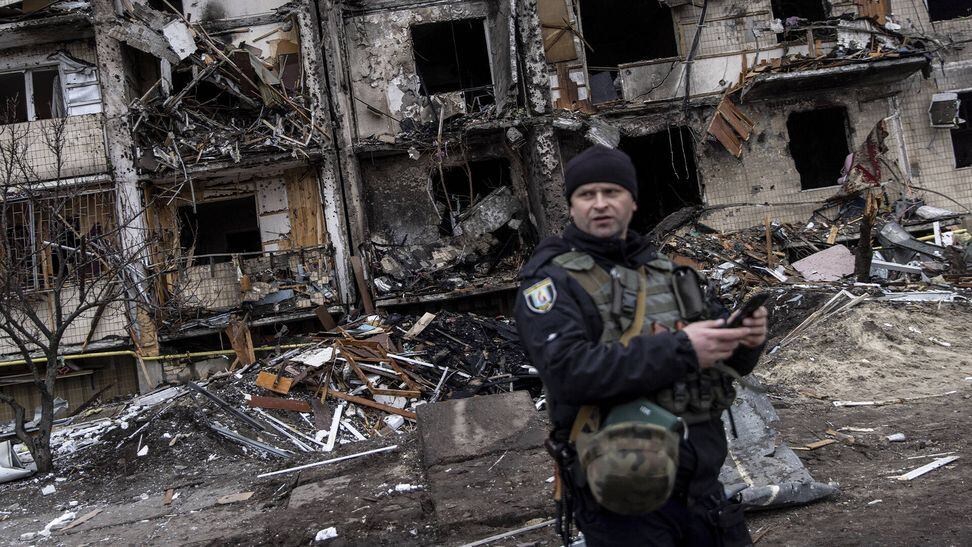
(563, 344)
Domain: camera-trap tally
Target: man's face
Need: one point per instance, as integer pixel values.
(602, 209)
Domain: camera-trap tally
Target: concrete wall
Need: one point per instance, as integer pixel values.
(764, 180)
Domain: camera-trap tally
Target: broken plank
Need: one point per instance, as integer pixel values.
(167, 498)
(819, 444)
(259, 401)
(325, 317)
(372, 404)
(420, 325)
(84, 518)
(915, 473)
(273, 382)
(358, 267)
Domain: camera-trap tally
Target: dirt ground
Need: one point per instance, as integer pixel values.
(876, 352)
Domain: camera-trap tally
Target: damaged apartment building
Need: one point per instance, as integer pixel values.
(282, 160)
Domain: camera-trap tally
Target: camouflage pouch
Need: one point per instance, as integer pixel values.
(631, 460)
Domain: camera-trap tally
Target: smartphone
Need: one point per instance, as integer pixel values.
(748, 308)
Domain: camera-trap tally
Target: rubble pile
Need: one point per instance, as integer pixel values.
(11, 12)
(359, 381)
(225, 101)
(487, 246)
(815, 252)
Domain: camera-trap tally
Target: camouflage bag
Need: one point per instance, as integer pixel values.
(631, 459)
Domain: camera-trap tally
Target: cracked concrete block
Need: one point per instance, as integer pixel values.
(463, 429)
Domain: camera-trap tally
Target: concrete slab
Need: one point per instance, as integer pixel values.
(462, 429)
(489, 493)
(830, 264)
(315, 493)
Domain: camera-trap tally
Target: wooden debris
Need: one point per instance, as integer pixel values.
(419, 326)
(819, 444)
(358, 267)
(168, 497)
(239, 336)
(84, 518)
(274, 382)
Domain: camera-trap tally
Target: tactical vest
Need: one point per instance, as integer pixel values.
(644, 302)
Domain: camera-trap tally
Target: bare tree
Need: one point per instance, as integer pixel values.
(62, 264)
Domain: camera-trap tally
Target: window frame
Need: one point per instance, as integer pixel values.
(27, 74)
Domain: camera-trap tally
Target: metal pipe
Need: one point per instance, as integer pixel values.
(166, 357)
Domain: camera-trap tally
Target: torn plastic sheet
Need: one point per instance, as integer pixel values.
(772, 474)
(10, 467)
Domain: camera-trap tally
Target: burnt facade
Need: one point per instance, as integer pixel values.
(261, 150)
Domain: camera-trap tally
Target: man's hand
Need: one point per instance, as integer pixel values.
(712, 342)
(757, 325)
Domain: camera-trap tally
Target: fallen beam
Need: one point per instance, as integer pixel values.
(253, 443)
(228, 408)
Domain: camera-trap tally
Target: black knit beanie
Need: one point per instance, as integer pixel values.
(601, 164)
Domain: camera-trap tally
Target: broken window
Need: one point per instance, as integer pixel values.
(667, 177)
(19, 245)
(463, 185)
(59, 237)
(30, 95)
(163, 5)
(818, 145)
(942, 10)
(791, 12)
(220, 228)
(811, 10)
(619, 31)
(453, 56)
(962, 135)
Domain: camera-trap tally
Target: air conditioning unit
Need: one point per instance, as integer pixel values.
(944, 110)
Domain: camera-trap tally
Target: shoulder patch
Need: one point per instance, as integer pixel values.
(541, 296)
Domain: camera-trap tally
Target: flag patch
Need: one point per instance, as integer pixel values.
(541, 296)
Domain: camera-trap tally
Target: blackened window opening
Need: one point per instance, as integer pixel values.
(220, 227)
(818, 145)
(13, 98)
(667, 176)
(452, 56)
(622, 31)
(962, 135)
(811, 10)
(475, 180)
(163, 5)
(942, 10)
(30, 95)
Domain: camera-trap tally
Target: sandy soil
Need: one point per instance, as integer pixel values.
(878, 351)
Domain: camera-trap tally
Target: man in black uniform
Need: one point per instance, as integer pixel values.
(575, 322)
